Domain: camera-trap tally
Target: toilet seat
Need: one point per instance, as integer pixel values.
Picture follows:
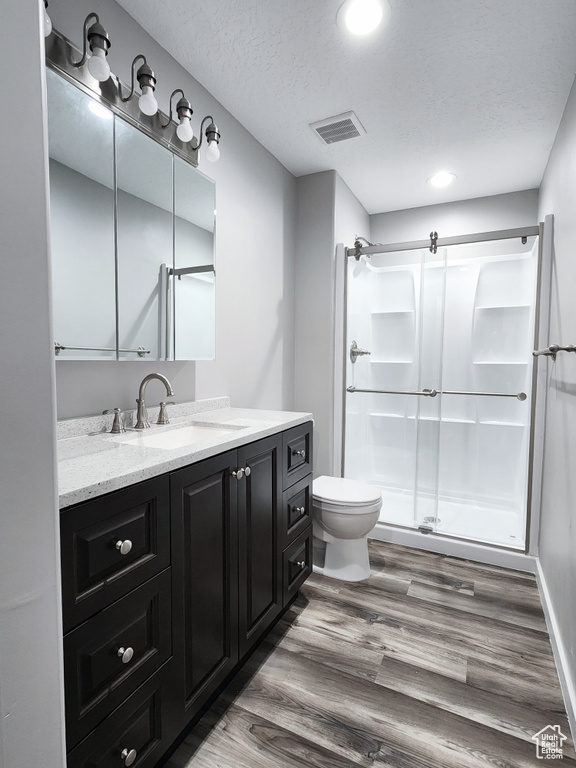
(340, 494)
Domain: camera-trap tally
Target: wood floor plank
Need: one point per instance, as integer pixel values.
(392, 556)
(244, 740)
(529, 686)
(338, 653)
(496, 711)
(500, 608)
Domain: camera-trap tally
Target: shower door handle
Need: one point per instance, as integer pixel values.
(517, 395)
(422, 393)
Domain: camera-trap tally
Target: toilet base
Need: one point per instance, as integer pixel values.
(346, 560)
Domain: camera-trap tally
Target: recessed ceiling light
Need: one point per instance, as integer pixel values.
(442, 179)
(363, 16)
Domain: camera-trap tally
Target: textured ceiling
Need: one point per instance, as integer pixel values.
(476, 87)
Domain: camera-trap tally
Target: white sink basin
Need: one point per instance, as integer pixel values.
(179, 438)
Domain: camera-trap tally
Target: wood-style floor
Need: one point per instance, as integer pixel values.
(433, 662)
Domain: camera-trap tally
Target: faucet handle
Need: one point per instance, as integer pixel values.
(163, 416)
(118, 423)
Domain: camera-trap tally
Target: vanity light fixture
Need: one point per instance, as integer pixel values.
(212, 135)
(97, 38)
(441, 179)
(147, 82)
(47, 20)
(184, 111)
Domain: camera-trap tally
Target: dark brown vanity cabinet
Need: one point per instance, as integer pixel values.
(205, 587)
(168, 585)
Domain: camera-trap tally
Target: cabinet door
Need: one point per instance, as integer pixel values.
(260, 568)
(205, 583)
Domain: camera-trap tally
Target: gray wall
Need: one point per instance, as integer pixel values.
(558, 513)
(256, 203)
(31, 707)
(328, 213)
(483, 214)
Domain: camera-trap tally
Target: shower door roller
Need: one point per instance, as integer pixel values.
(356, 352)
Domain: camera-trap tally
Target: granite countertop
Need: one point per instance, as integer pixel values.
(92, 461)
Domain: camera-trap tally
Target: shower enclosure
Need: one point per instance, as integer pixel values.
(438, 399)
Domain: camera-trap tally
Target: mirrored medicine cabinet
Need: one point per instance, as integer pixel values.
(132, 235)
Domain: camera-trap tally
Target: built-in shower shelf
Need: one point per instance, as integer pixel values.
(501, 423)
(393, 362)
(499, 362)
(502, 306)
(392, 312)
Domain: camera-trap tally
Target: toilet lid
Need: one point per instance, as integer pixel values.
(343, 491)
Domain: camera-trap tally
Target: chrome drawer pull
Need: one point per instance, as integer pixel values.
(301, 564)
(302, 454)
(124, 546)
(129, 756)
(239, 474)
(125, 654)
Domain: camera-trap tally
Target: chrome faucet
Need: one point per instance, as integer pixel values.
(142, 414)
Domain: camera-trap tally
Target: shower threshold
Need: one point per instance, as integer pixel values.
(490, 524)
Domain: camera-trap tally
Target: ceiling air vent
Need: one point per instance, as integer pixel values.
(338, 128)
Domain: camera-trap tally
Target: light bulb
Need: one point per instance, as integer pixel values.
(212, 151)
(47, 23)
(184, 130)
(98, 66)
(147, 102)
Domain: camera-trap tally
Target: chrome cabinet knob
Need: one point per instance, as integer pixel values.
(125, 654)
(300, 510)
(301, 564)
(124, 546)
(302, 454)
(239, 474)
(129, 755)
(247, 471)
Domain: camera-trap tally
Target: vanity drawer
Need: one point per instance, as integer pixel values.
(296, 509)
(297, 453)
(140, 725)
(112, 544)
(107, 657)
(297, 565)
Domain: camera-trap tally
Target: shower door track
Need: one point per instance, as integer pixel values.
(442, 242)
(503, 234)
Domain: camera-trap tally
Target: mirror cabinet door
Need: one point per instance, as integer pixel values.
(132, 238)
(194, 282)
(144, 242)
(81, 136)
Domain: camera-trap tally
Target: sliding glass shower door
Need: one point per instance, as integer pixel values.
(438, 381)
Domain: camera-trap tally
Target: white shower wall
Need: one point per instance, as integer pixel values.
(461, 321)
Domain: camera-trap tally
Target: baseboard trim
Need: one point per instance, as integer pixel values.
(558, 649)
(445, 545)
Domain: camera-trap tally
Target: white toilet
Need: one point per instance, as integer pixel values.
(344, 513)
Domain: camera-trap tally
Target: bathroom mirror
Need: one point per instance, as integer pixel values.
(132, 238)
